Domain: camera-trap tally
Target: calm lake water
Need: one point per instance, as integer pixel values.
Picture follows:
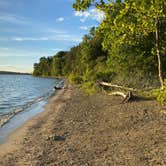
(21, 91)
(21, 98)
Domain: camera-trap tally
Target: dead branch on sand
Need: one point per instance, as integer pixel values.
(127, 96)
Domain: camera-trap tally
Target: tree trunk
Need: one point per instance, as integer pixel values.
(109, 84)
(158, 54)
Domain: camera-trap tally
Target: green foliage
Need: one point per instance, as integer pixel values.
(43, 68)
(161, 94)
(84, 4)
(75, 79)
(129, 24)
(122, 49)
(90, 87)
(106, 76)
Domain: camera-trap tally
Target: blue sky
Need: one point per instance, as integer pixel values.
(30, 29)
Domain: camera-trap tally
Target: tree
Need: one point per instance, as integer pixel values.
(58, 63)
(142, 16)
(128, 22)
(84, 4)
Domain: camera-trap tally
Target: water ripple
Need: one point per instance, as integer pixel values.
(20, 90)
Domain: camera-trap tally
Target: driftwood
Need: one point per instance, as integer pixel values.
(123, 87)
(116, 86)
(127, 96)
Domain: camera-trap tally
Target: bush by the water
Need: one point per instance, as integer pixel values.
(161, 94)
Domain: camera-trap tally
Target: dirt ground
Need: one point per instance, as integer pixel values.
(90, 130)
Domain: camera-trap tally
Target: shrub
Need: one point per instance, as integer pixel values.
(89, 87)
(161, 94)
(75, 79)
(105, 76)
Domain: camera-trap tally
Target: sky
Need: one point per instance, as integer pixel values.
(30, 29)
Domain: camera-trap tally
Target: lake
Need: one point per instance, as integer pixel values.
(18, 92)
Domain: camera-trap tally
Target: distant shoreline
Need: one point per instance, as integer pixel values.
(14, 73)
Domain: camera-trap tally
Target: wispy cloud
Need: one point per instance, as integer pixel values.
(60, 19)
(67, 37)
(56, 49)
(93, 14)
(56, 31)
(20, 39)
(4, 48)
(84, 28)
(12, 52)
(16, 68)
(6, 65)
(56, 37)
(11, 18)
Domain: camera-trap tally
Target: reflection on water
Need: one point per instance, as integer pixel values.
(22, 97)
(17, 90)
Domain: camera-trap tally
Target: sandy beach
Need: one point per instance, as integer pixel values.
(78, 129)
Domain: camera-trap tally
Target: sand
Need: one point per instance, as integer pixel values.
(93, 130)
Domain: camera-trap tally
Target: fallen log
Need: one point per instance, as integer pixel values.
(128, 92)
(123, 87)
(116, 86)
(128, 96)
(118, 94)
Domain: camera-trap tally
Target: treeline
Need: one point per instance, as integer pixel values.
(14, 73)
(82, 64)
(128, 47)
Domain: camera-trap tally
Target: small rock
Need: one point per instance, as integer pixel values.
(56, 138)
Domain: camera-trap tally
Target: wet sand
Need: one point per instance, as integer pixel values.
(96, 130)
(19, 119)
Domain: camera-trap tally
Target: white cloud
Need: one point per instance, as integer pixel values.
(56, 31)
(20, 39)
(10, 18)
(56, 49)
(56, 37)
(67, 37)
(82, 19)
(84, 28)
(12, 52)
(60, 19)
(4, 48)
(93, 14)
(82, 14)
(7, 65)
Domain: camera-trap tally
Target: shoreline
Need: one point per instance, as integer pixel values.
(4, 119)
(81, 129)
(17, 120)
(19, 133)
(16, 109)
(14, 119)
